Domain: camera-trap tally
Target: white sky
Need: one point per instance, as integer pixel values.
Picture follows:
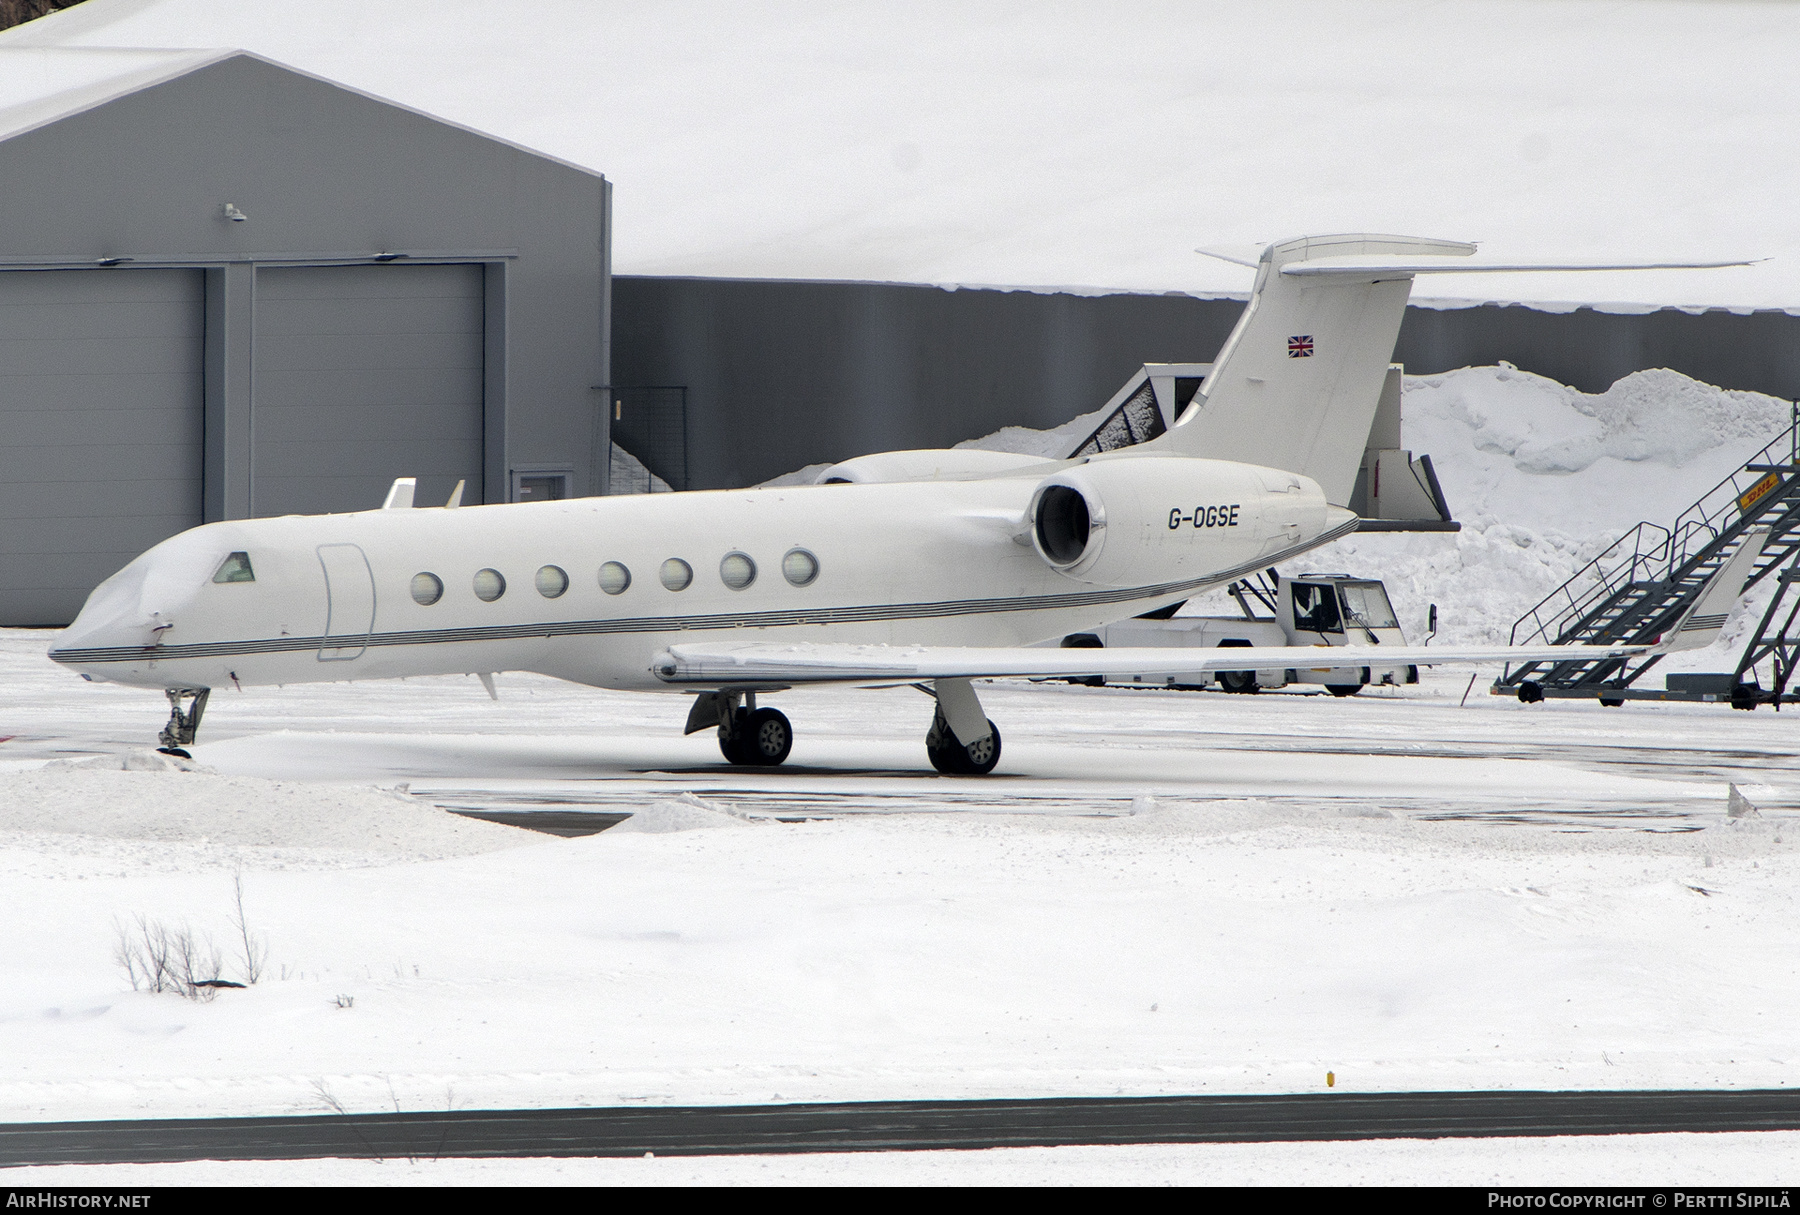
(1062, 144)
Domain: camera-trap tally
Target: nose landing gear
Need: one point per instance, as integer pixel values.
(183, 725)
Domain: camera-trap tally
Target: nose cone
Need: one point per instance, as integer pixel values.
(133, 611)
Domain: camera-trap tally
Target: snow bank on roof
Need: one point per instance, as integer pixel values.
(38, 85)
(150, 799)
(1064, 144)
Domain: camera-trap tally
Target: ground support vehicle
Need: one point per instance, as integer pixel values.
(1323, 610)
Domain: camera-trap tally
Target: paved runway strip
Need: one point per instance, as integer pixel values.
(900, 1125)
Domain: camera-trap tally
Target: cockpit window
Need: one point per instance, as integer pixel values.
(236, 569)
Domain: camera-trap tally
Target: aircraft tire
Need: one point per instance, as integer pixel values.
(950, 757)
(761, 739)
(768, 737)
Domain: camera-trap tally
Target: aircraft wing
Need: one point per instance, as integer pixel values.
(720, 664)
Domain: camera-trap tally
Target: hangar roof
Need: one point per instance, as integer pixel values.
(1068, 145)
(42, 84)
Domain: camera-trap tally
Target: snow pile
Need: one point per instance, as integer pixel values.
(1052, 444)
(684, 813)
(152, 798)
(629, 476)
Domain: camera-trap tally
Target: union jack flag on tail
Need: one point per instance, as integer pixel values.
(1300, 347)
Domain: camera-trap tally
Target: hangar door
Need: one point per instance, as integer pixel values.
(365, 374)
(101, 414)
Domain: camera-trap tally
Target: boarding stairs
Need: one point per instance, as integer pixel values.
(1637, 589)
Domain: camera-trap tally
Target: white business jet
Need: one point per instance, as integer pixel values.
(924, 568)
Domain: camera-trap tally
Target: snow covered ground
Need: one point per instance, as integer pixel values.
(1162, 892)
(1063, 144)
(1158, 892)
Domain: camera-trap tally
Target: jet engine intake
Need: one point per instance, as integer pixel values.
(1148, 519)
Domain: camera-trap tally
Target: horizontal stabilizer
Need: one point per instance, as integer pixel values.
(1361, 267)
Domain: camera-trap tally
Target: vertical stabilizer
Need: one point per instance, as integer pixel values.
(1298, 380)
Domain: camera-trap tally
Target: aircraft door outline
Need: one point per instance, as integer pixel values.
(349, 601)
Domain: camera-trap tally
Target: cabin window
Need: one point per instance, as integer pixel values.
(489, 585)
(614, 578)
(676, 574)
(552, 581)
(737, 570)
(427, 589)
(799, 567)
(236, 569)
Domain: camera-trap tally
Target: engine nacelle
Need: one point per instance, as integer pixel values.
(953, 464)
(1143, 520)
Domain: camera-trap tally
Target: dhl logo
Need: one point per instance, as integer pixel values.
(1756, 493)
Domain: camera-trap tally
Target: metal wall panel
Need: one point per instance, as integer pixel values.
(100, 428)
(365, 374)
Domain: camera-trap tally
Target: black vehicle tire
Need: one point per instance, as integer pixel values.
(1612, 702)
(950, 757)
(1343, 689)
(1237, 681)
(1531, 692)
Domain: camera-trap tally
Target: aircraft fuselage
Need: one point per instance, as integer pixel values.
(535, 587)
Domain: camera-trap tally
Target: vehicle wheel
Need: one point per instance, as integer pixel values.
(1343, 689)
(950, 757)
(1237, 681)
(1612, 702)
(1530, 692)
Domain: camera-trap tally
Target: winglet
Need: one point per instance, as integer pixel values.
(1701, 624)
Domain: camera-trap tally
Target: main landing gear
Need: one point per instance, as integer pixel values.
(183, 724)
(747, 735)
(961, 741)
(756, 737)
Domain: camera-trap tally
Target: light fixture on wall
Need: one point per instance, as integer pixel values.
(233, 214)
(389, 257)
(113, 261)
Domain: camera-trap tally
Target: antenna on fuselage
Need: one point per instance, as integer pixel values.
(400, 494)
(455, 496)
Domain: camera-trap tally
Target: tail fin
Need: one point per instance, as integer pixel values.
(1296, 384)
